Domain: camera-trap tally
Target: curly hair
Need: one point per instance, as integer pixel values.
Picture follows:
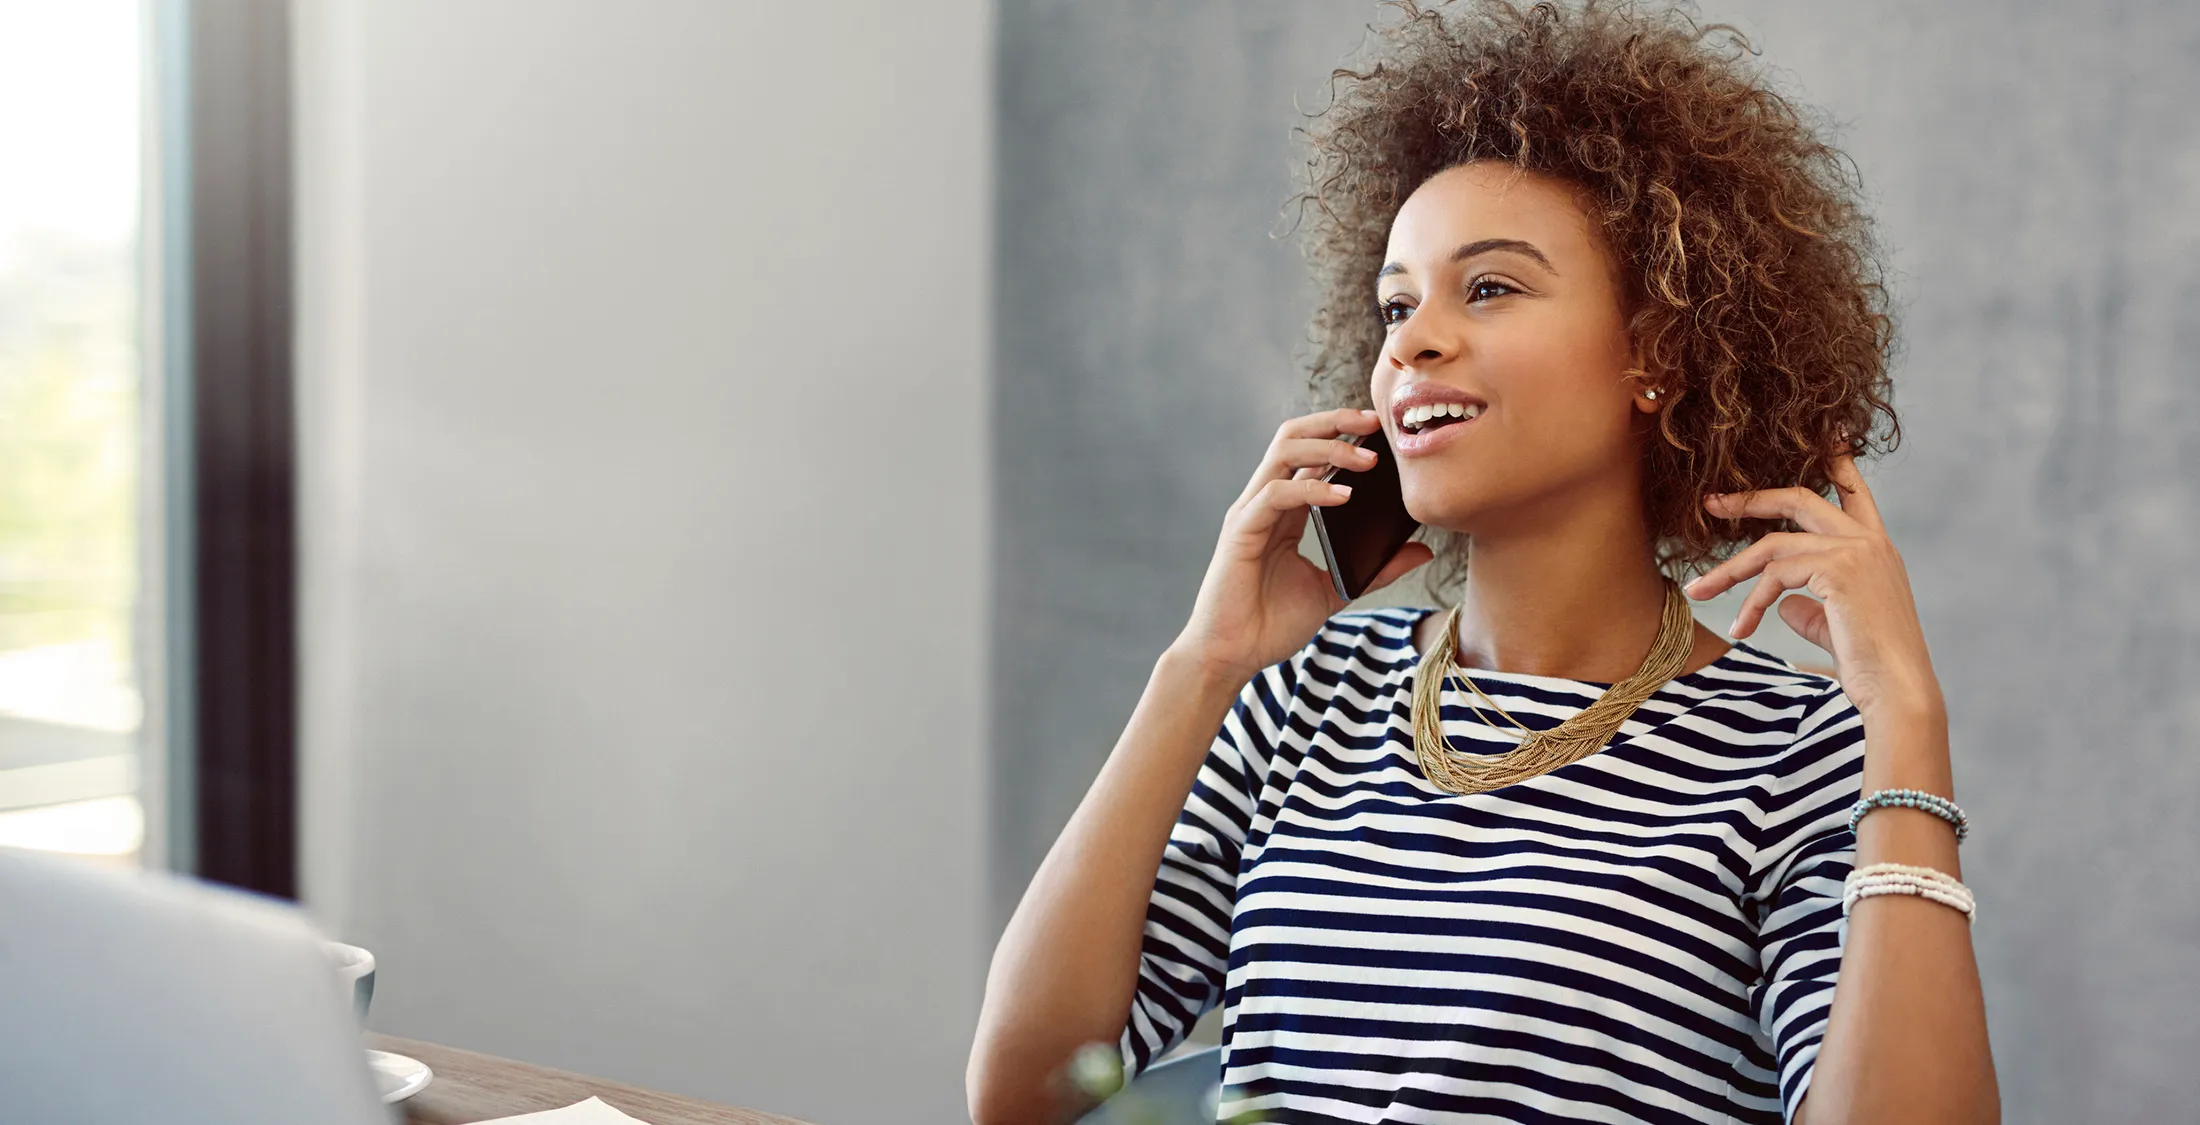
(1747, 261)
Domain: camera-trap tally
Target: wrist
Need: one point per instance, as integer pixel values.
(1910, 711)
(1184, 664)
(1906, 747)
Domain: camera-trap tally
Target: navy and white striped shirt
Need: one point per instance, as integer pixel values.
(1649, 934)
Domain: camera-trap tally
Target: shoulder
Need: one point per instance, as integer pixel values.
(1745, 667)
(1363, 649)
(1377, 638)
(1763, 705)
(1746, 674)
(1818, 732)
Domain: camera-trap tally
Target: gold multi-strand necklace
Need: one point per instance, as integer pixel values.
(1538, 752)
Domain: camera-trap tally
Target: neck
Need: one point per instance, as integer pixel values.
(1579, 597)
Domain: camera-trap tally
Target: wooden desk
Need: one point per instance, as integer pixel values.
(470, 1087)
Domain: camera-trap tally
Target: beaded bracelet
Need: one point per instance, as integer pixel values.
(1969, 910)
(1917, 799)
(1953, 894)
(1902, 879)
(1970, 914)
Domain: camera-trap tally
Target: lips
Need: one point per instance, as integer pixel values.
(1427, 415)
(1408, 446)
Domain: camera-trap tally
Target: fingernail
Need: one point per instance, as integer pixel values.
(1340, 489)
(1367, 413)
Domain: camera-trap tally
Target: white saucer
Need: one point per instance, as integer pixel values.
(398, 1076)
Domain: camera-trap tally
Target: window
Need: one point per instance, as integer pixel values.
(79, 606)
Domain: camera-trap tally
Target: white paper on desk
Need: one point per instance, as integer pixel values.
(590, 1112)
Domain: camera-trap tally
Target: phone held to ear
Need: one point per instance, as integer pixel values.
(1362, 534)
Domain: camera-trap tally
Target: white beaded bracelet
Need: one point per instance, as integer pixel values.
(1904, 879)
(1868, 888)
(1872, 890)
(1898, 875)
(1941, 893)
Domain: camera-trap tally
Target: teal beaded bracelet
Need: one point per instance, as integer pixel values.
(1917, 799)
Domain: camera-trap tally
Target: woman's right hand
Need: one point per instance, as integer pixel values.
(1261, 600)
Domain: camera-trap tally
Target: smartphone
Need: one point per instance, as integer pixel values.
(1362, 534)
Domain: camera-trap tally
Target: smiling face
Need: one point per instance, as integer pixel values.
(1503, 375)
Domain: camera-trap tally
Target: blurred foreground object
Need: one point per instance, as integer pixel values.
(131, 997)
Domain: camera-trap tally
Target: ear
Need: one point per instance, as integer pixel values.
(1658, 380)
(1649, 393)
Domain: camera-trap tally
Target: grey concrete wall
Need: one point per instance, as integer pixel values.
(2034, 168)
(645, 548)
(1144, 338)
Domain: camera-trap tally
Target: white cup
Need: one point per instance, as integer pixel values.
(356, 967)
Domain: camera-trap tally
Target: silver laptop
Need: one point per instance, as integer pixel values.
(131, 997)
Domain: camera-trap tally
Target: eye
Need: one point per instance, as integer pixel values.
(1481, 285)
(1393, 312)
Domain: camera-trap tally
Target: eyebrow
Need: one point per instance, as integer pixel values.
(1472, 249)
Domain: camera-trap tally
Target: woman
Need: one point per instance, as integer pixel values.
(1616, 309)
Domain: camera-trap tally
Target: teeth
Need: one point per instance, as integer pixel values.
(1417, 417)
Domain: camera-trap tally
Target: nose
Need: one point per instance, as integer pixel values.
(1422, 340)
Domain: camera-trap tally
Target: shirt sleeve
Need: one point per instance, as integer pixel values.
(1186, 950)
(1805, 854)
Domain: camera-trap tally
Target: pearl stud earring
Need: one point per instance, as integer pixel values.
(1651, 394)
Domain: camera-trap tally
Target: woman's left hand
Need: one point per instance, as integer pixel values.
(1867, 618)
